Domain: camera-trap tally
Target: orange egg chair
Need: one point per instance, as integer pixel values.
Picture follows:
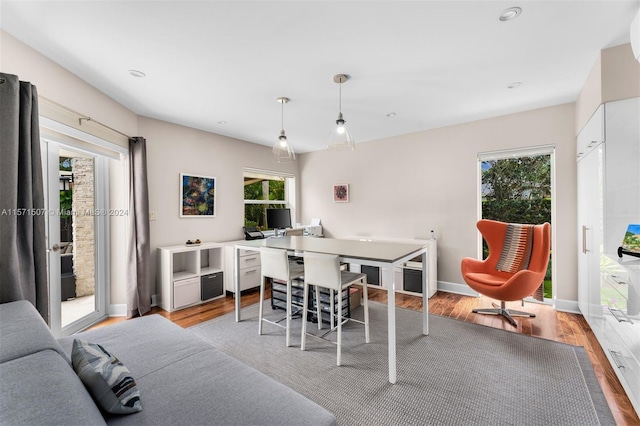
(516, 265)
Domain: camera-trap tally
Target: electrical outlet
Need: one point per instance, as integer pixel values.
(152, 216)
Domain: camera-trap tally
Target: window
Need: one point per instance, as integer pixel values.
(266, 190)
(517, 186)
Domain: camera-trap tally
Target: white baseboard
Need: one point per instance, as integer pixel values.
(563, 305)
(118, 310)
(456, 288)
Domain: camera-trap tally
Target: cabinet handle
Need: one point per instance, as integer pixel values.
(613, 277)
(253, 271)
(247, 259)
(616, 358)
(619, 315)
(584, 239)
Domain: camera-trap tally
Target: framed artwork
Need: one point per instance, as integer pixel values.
(197, 196)
(341, 193)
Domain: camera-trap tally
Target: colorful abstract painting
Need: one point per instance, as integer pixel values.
(197, 196)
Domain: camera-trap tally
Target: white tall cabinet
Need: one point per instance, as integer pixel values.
(608, 183)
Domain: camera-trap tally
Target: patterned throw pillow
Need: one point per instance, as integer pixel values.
(516, 251)
(106, 378)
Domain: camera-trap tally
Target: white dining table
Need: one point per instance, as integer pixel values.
(385, 255)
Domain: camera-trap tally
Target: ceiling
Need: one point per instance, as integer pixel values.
(220, 65)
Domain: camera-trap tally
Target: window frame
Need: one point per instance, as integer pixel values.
(289, 192)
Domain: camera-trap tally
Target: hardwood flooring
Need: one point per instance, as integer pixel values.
(548, 324)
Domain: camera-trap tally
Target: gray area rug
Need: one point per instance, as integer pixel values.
(461, 374)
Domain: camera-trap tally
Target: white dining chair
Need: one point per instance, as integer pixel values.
(274, 264)
(323, 270)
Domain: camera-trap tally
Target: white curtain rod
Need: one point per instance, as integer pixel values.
(103, 125)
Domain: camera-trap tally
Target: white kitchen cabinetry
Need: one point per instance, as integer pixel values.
(608, 183)
(185, 274)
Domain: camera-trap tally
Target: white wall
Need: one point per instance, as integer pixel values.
(174, 149)
(406, 185)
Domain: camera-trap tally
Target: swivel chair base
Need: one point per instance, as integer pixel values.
(502, 310)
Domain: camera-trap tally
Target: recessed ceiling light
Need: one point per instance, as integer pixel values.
(222, 122)
(514, 85)
(511, 13)
(137, 73)
(391, 114)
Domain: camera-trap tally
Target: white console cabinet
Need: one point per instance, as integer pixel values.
(608, 182)
(408, 279)
(190, 275)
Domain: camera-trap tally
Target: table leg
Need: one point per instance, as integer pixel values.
(236, 283)
(391, 321)
(425, 295)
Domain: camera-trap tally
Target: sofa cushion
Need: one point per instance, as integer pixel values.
(107, 379)
(24, 332)
(144, 345)
(43, 389)
(184, 380)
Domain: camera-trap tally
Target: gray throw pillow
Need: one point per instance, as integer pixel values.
(107, 379)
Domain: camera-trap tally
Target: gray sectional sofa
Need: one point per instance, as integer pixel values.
(182, 379)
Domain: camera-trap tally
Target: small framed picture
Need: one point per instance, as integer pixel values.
(197, 196)
(341, 193)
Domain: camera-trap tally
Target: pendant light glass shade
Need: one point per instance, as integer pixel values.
(341, 138)
(282, 152)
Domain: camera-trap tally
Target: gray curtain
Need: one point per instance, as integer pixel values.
(139, 277)
(23, 259)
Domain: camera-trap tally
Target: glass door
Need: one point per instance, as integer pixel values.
(517, 186)
(76, 236)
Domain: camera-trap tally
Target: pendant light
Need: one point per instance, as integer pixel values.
(282, 152)
(341, 138)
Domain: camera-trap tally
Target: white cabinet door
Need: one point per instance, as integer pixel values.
(590, 190)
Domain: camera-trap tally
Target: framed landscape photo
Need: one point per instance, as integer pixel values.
(341, 193)
(197, 196)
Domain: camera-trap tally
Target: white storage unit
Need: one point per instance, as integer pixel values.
(249, 273)
(410, 269)
(180, 270)
(608, 155)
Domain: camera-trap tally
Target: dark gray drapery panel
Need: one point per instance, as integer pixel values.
(23, 261)
(139, 277)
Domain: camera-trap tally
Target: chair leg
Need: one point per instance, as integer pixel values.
(332, 320)
(318, 307)
(339, 325)
(260, 310)
(503, 311)
(288, 320)
(365, 295)
(305, 300)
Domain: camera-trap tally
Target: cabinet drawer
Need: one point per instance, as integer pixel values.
(250, 261)
(249, 278)
(243, 253)
(212, 285)
(186, 292)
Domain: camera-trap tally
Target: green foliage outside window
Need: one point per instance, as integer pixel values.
(262, 190)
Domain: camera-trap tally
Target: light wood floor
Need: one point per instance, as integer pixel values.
(548, 324)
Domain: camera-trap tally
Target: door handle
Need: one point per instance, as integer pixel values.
(584, 239)
(55, 248)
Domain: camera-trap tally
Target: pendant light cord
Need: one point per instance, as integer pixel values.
(282, 117)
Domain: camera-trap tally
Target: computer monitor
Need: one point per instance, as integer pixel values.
(279, 218)
(631, 241)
